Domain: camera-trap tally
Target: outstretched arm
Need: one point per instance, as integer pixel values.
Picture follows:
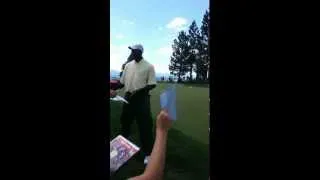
(155, 167)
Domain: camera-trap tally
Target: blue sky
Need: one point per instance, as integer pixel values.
(152, 23)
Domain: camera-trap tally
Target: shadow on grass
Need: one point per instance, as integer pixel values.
(186, 158)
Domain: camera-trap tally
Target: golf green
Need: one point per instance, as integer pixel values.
(188, 139)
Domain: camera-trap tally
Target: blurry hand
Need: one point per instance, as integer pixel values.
(135, 92)
(163, 121)
(113, 93)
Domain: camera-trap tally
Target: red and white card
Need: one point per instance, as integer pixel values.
(121, 150)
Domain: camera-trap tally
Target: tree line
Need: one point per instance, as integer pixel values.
(191, 52)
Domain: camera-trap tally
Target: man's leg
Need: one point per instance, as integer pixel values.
(145, 124)
(126, 119)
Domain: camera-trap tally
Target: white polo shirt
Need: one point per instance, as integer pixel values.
(137, 75)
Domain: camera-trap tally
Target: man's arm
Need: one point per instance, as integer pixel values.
(146, 89)
(118, 86)
(155, 167)
(152, 81)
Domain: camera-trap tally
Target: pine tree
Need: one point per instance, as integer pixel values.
(196, 43)
(205, 26)
(204, 50)
(178, 61)
(194, 35)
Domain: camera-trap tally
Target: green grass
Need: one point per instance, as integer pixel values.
(188, 139)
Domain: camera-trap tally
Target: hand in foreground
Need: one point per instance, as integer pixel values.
(113, 93)
(163, 121)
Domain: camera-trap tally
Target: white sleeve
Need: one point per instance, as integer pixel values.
(152, 76)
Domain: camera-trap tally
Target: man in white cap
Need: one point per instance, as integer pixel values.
(138, 79)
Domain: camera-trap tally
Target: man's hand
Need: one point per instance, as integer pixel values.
(134, 92)
(163, 121)
(143, 90)
(113, 93)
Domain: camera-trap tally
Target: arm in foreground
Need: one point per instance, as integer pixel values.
(155, 167)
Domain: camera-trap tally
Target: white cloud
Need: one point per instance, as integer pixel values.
(118, 55)
(171, 36)
(166, 51)
(177, 24)
(119, 36)
(161, 67)
(161, 59)
(127, 22)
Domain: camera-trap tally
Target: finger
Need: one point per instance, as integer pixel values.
(163, 111)
(166, 118)
(165, 114)
(160, 115)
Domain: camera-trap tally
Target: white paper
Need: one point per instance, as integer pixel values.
(119, 98)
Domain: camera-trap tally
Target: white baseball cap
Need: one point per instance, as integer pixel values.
(137, 46)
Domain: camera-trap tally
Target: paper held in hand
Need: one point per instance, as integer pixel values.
(119, 98)
(121, 150)
(168, 102)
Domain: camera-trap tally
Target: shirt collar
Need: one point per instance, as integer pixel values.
(139, 61)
